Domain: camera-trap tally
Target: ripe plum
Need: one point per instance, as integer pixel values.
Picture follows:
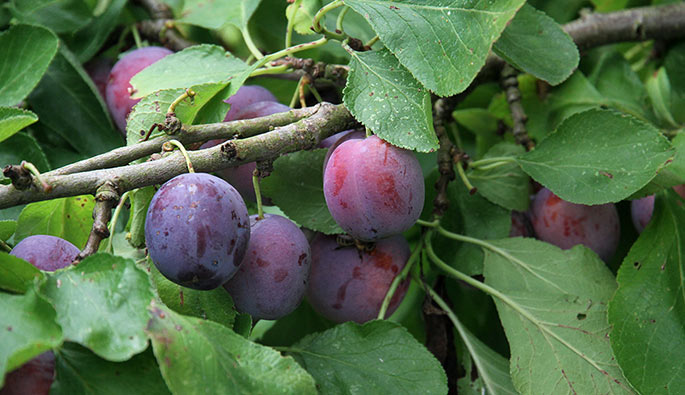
(118, 95)
(197, 230)
(566, 224)
(641, 209)
(46, 252)
(335, 140)
(98, 70)
(373, 189)
(346, 284)
(245, 97)
(520, 225)
(273, 277)
(35, 377)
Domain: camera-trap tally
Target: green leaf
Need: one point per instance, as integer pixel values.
(303, 12)
(386, 98)
(87, 41)
(296, 186)
(26, 54)
(673, 64)
(598, 156)
(553, 306)
(648, 308)
(196, 65)
(506, 185)
(86, 125)
(467, 214)
(379, 357)
(535, 43)
(7, 229)
(213, 14)
(198, 357)
(68, 218)
(16, 275)
(207, 106)
(671, 175)
(79, 371)
(294, 326)
(27, 328)
(444, 43)
(60, 16)
(140, 201)
(13, 120)
(22, 147)
(102, 304)
(215, 305)
(659, 89)
(491, 368)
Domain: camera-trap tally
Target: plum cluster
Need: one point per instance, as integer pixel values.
(47, 253)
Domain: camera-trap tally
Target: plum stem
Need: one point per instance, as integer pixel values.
(316, 22)
(172, 107)
(428, 224)
(398, 279)
(136, 36)
(464, 179)
(5, 247)
(180, 146)
(372, 41)
(257, 193)
(36, 175)
(113, 222)
(250, 44)
(341, 18)
(289, 28)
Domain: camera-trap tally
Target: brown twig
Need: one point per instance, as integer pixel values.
(304, 134)
(162, 30)
(335, 73)
(510, 85)
(105, 199)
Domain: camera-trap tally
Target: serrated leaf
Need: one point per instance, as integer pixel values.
(597, 157)
(491, 368)
(16, 275)
(385, 97)
(198, 357)
(506, 185)
(467, 214)
(303, 12)
(7, 228)
(379, 357)
(215, 305)
(196, 65)
(27, 53)
(60, 16)
(102, 304)
(68, 218)
(213, 14)
(13, 120)
(659, 90)
(87, 41)
(648, 308)
(296, 186)
(671, 175)
(535, 43)
(22, 147)
(79, 371)
(86, 124)
(153, 108)
(444, 43)
(553, 306)
(28, 329)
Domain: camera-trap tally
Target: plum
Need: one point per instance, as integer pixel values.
(118, 91)
(46, 252)
(338, 139)
(273, 276)
(98, 70)
(246, 96)
(566, 224)
(348, 284)
(641, 209)
(520, 225)
(35, 377)
(373, 189)
(641, 212)
(241, 176)
(197, 230)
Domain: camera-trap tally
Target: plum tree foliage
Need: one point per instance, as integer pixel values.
(342, 196)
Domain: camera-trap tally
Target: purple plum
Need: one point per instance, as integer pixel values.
(46, 252)
(35, 377)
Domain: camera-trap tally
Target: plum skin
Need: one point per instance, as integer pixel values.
(641, 209)
(197, 230)
(346, 284)
(48, 253)
(566, 224)
(117, 92)
(373, 189)
(35, 377)
(273, 276)
(245, 97)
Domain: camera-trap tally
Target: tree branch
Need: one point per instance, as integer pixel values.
(510, 85)
(105, 199)
(189, 135)
(327, 120)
